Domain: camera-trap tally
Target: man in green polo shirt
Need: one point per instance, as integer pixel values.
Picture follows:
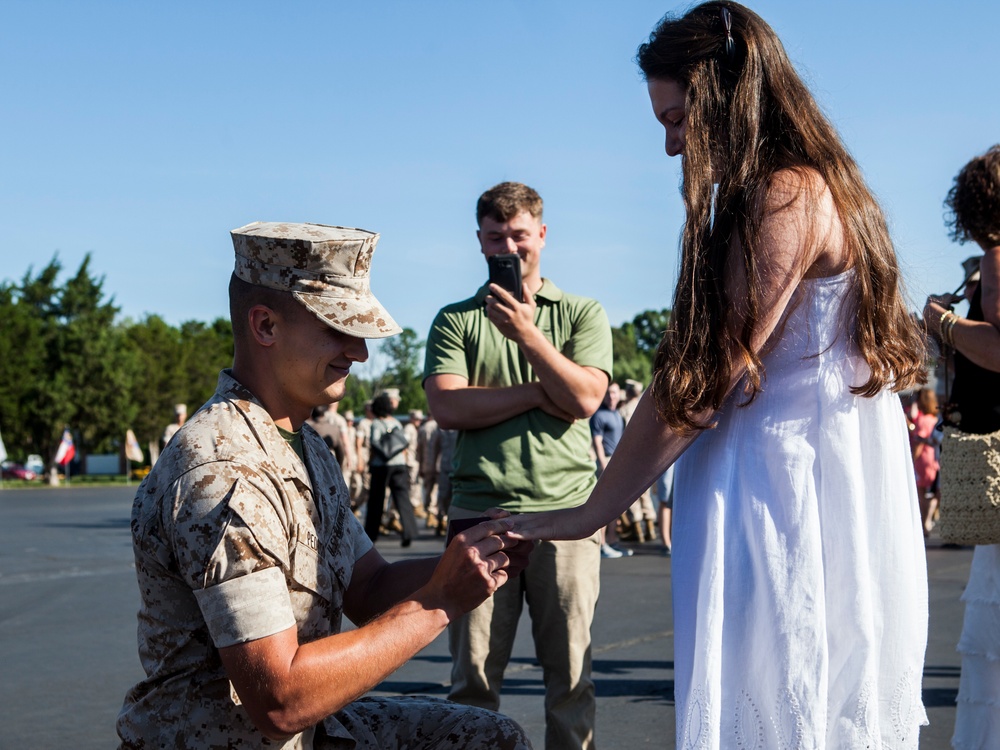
(519, 380)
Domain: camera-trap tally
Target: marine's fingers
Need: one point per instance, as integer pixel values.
(498, 560)
(495, 544)
(474, 532)
(500, 576)
(495, 527)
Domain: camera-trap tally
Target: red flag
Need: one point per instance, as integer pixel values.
(66, 449)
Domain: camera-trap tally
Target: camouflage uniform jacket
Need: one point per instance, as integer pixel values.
(234, 540)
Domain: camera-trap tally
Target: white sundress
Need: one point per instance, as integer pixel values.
(799, 573)
(977, 716)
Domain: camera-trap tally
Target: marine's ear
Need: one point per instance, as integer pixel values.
(262, 323)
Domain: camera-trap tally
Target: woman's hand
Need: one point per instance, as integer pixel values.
(571, 523)
(936, 306)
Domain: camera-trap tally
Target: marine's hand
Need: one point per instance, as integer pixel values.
(519, 550)
(477, 562)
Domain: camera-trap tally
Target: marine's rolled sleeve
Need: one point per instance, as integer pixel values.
(233, 554)
(236, 538)
(246, 608)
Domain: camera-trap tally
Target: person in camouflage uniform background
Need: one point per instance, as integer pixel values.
(248, 555)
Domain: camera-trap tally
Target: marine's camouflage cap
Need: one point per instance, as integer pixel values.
(325, 267)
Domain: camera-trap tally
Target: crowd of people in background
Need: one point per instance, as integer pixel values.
(417, 479)
(638, 524)
(428, 456)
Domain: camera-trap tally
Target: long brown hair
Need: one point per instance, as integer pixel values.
(749, 115)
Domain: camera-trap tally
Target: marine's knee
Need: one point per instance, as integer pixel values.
(494, 730)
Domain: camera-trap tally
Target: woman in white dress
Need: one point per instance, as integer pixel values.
(799, 579)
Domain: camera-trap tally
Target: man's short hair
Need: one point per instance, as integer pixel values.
(243, 295)
(633, 388)
(505, 201)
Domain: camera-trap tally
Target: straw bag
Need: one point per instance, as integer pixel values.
(970, 488)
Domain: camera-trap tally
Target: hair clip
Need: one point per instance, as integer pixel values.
(727, 22)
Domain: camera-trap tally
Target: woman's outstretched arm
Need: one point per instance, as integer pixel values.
(645, 451)
(800, 235)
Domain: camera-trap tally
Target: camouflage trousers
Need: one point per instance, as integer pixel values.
(419, 723)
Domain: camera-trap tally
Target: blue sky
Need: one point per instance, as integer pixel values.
(143, 132)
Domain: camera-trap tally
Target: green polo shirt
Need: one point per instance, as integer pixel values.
(533, 461)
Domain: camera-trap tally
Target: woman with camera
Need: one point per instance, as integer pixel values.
(972, 418)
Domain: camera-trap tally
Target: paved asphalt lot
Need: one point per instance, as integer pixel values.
(68, 599)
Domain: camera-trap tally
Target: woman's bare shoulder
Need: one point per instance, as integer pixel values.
(990, 281)
(800, 199)
(797, 189)
(990, 264)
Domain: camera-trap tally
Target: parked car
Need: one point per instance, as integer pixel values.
(12, 470)
(34, 463)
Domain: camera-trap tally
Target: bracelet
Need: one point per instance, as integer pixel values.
(944, 328)
(941, 323)
(950, 330)
(946, 325)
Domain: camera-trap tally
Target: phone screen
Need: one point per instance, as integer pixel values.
(505, 272)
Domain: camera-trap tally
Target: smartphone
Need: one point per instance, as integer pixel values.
(505, 272)
(459, 525)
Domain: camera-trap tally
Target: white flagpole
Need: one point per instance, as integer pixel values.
(3, 457)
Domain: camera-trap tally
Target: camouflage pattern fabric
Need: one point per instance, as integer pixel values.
(417, 723)
(234, 540)
(327, 268)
